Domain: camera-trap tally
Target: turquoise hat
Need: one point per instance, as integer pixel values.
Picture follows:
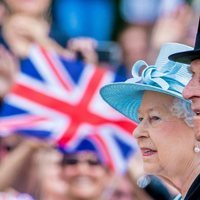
(165, 76)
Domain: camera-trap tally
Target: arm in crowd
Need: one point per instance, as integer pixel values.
(18, 161)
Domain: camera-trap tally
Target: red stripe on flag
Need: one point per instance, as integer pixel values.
(104, 150)
(25, 121)
(68, 134)
(78, 113)
(93, 85)
(55, 70)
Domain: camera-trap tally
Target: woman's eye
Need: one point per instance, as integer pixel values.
(154, 118)
(140, 119)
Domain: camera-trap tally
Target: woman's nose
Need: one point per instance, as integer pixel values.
(140, 130)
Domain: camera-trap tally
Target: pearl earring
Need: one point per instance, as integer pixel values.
(196, 149)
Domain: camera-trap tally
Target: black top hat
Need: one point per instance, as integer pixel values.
(188, 56)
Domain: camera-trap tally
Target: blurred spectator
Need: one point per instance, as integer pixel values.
(134, 42)
(27, 23)
(30, 167)
(164, 30)
(50, 183)
(86, 173)
(8, 69)
(173, 27)
(165, 21)
(84, 49)
(189, 38)
(16, 156)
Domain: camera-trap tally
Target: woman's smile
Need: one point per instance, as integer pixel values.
(148, 152)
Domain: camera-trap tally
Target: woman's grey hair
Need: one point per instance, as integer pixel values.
(182, 109)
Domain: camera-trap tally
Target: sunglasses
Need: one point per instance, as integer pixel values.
(75, 161)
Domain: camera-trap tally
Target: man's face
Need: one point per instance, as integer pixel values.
(192, 90)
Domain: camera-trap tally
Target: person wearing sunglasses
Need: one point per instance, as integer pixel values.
(77, 159)
(85, 172)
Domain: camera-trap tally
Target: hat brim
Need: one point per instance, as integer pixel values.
(185, 57)
(127, 97)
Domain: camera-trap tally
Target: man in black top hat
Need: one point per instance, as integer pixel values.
(192, 89)
(192, 92)
(192, 57)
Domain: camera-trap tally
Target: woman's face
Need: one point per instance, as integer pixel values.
(86, 178)
(165, 140)
(29, 7)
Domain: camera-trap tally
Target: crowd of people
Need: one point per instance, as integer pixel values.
(161, 98)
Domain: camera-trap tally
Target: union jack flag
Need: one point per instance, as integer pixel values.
(59, 99)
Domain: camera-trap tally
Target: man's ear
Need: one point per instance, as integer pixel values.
(197, 128)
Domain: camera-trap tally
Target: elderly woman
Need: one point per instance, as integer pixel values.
(153, 99)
